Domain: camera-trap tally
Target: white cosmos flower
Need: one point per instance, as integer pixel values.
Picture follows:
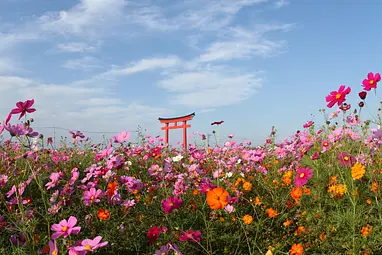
(177, 158)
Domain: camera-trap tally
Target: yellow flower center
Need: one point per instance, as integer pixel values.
(171, 204)
(338, 96)
(92, 197)
(54, 252)
(302, 175)
(371, 82)
(88, 247)
(346, 158)
(64, 229)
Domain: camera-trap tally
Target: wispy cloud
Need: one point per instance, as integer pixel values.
(143, 65)
(281, 3)
(7, 65)
(214, 88)
(192, 14)
(80, 47)
(239, 43)
(11, 39)
(84, 19)
(85, 64)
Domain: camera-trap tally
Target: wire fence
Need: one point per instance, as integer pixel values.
(55, 132)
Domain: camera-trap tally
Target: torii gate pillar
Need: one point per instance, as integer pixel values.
(184, 125)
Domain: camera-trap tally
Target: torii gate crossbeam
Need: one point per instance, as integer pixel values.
(184, 125)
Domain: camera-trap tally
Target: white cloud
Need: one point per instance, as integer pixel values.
(239, 43)
(100, 101)
(77, 108)
(193, 14)
(87, 17)
(143, 65)
(85, 63)
(80, 47)
(204, 89)
(281, 3)
(11, 39)
(7, 65)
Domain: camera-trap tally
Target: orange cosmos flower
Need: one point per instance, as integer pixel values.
(195, 192)
(374, 187)
(297, 249)
(287, 178)
(111, 188)
(366, 230)
(271, 213)
(287, 223)
(296, 193)
(257, 201)
(247, 219)
(247, 186)
(103, 214)
(217, 198)
(357, 171)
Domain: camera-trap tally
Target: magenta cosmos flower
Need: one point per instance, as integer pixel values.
(65, 228)
(337, 96)
(77, 134)
(371, 81)
(194, 236)
(171, 203)
(91, 245)
(22, 108)
(91, 196)
(303, 175)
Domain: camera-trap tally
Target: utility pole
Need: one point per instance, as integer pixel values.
(208, 139)
(54, 136)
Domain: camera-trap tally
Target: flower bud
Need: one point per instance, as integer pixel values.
(362, 94)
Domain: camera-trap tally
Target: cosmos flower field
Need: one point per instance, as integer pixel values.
(315, 192)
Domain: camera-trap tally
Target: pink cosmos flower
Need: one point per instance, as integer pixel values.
(91, 245)
(16, 130)
(91, 196)
(194, 236)
(171, 203)
(3, 180)
(11, 192)
(308, 124)
(337, 96)
(352, 120)
(197, 155)
(65, 228)
(122, 137)
(22, 108)
(303, 175)
(371, 81)
(53, 248)
(72, 250)
(53, 180)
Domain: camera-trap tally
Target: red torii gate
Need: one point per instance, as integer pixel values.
(175, 120)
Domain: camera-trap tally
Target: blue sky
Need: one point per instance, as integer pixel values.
(111, 65)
